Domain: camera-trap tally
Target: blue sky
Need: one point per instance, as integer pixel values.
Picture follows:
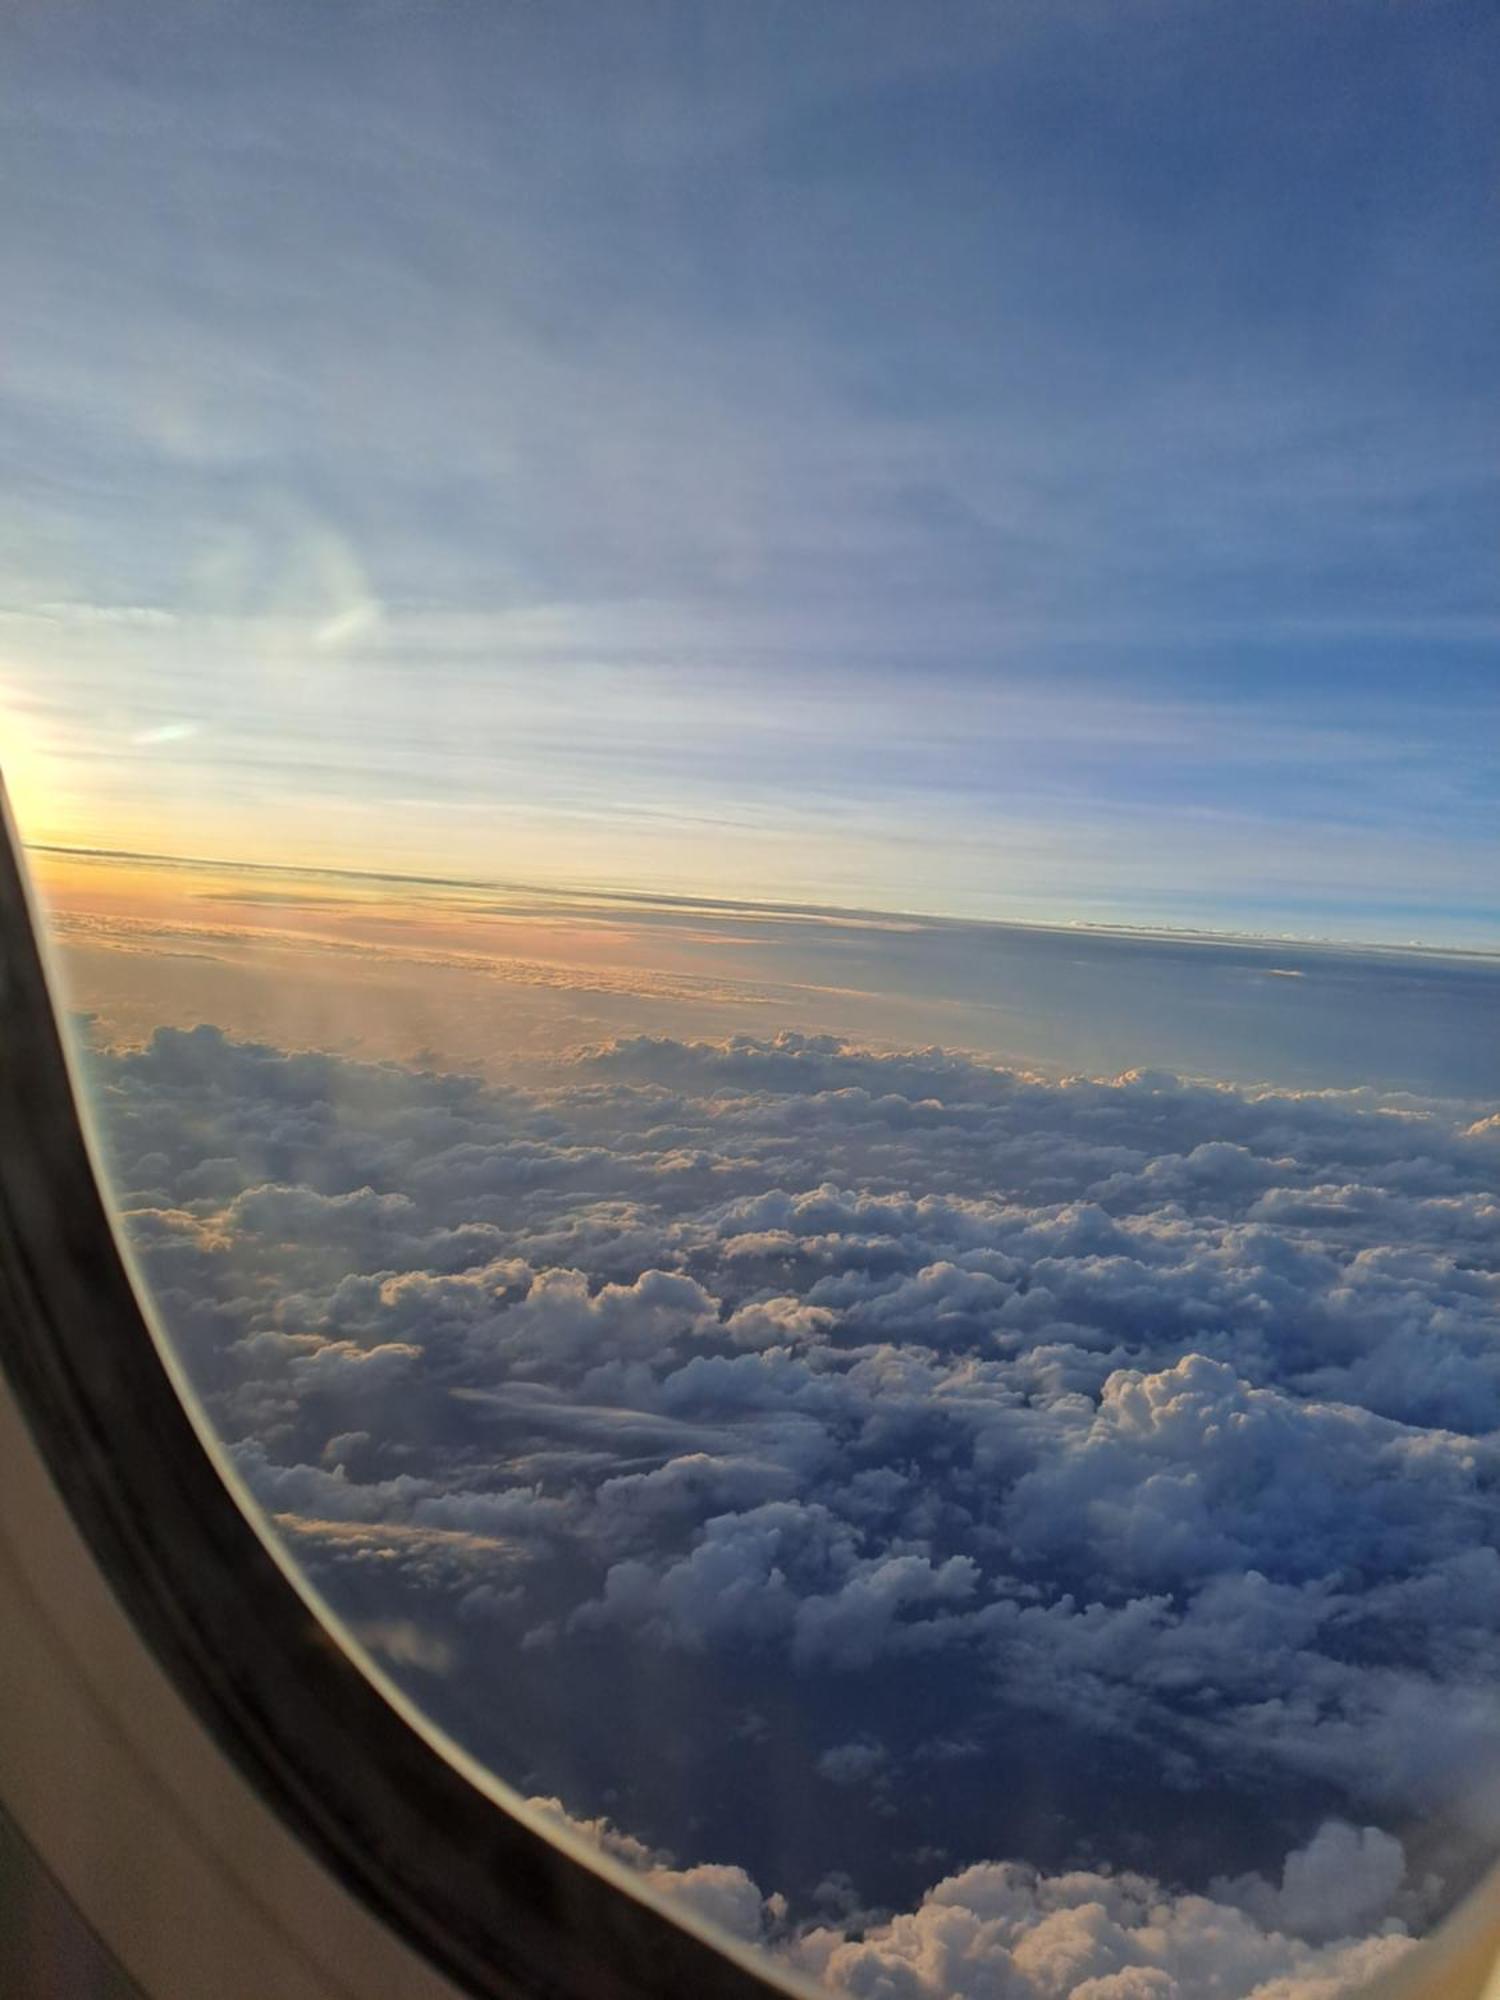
(1006, 460)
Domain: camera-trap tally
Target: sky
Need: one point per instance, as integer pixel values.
(1014, 461)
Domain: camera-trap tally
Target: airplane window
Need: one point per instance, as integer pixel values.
(759, 749)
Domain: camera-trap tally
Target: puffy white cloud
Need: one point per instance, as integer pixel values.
(718, 1893)
(1004, 1931)
(562, 1321)
(1343, 1878)
(1141, 1418)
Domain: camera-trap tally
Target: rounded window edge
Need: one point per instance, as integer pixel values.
(379, 1798)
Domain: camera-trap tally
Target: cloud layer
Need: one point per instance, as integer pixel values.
(1044, 1506)
(1003, 1931)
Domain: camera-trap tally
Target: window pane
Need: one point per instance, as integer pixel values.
(761, 749)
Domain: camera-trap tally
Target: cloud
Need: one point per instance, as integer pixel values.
(1142, 1437)
(851, 1763)
(1003, 1931)
(786, 1572)
(1343, 1878)
(720, 1894)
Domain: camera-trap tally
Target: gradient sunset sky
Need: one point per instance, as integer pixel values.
(1000, 460)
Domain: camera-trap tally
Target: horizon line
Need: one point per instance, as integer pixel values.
(655, 899)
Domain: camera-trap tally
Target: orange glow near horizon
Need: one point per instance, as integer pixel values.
(467, 974)
(257, 901)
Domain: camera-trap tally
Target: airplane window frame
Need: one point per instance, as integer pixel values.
(493, 1904)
